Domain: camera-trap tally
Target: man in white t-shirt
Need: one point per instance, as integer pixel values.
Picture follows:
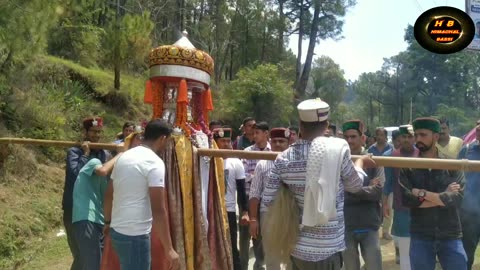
(137, 191)
(234, 183)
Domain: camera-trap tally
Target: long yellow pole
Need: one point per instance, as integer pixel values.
(106, 146)
(393, 162)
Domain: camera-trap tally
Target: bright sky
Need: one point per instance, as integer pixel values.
(373, 30)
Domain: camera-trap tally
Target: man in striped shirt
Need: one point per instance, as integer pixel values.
(260, 136)
(317, 247)
(279, 139)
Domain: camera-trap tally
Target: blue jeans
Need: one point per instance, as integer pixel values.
(88, 237)
(133, 251)
(450, 253)
(471, 235)
(369, 247)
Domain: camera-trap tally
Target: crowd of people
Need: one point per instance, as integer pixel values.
(342, 207)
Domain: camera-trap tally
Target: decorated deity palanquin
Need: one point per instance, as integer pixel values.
(179, 92)
(178, 88)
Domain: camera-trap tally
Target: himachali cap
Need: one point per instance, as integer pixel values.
(353, 124)
(219, 133)
(92, 122)
(313, 110)
(406, 130)
(427, 123)
(280, 133)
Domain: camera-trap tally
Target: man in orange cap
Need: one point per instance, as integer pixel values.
(77, 157)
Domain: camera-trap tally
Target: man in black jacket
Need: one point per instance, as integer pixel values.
(363, 215)
(434, 197)
(77, 157)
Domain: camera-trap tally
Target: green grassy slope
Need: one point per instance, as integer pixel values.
(47, 99)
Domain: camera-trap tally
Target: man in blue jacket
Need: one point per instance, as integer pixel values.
(77, 157)
(470, 211)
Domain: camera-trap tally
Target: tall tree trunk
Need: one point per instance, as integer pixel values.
(298, 69)
(202, 10)
(245, 46)
(281, 27)
(402, 108)
(231, 62)
(302, 83)
(397, 99)
(182, 15)
(116, 50)
(264, 42)
(116, 83)
(370, 110)
(218, 43)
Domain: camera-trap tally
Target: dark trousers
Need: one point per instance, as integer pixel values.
(72, 243)
(333, 262)
(88, 236)
(232, 223)
(370, 249)
(471, 236)
(245, 247)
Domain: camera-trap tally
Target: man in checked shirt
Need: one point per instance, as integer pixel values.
(279, 138)
(261, 132)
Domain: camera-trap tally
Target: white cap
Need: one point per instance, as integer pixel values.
(313, 110)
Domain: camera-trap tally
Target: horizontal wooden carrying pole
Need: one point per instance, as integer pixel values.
(393, 162)
(65, 144)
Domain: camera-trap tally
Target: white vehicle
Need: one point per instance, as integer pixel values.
(389, 133)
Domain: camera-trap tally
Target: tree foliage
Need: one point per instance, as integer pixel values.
(261, 93)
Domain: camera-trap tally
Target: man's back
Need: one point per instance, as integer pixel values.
(75, 161)
(319, 242)
(135, 171)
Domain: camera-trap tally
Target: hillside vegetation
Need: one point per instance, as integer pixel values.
(47, 99)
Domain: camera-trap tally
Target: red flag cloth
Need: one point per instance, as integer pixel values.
(182, 92)
(148, 96)
(470, 137)
(208, 100)
(110, 259)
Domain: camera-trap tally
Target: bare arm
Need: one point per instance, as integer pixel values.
(107, 168)
(160, 217)
(428, 204)
(253, 208)
(107, 203)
